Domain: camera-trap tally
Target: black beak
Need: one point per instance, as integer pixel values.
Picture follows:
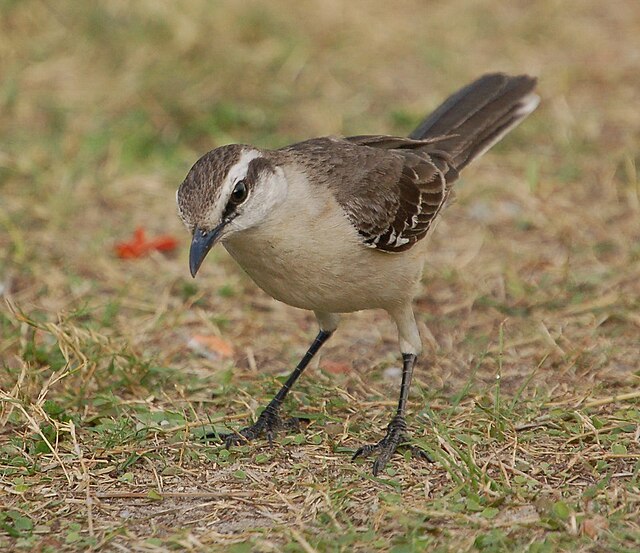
(201, 243)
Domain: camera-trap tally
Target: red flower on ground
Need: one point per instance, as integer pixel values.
(139, 246)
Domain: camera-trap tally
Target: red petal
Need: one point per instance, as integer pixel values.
(139, 246)
(164, 243)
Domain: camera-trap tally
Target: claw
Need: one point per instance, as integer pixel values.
(396, 437)
(231, 439)
(364, 451)
(268, 423)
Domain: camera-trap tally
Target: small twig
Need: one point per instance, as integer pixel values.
(155, 474)
(85, 473)
(595, 433)
(173, 495)
(540, 421)
(381, 403)
(35, 427)
(200, 424)
(612, 399)
(448, 515)
(302, 541)
(5, 414)
(532, 519)
(620, 456)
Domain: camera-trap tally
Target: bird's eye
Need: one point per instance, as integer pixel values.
(240, 192)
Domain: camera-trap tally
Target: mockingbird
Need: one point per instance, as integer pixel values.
(336, 225)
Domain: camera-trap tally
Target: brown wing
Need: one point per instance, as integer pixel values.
(465, 126)
(390, 188)
(420, 187)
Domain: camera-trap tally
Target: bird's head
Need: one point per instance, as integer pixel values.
(228, 190)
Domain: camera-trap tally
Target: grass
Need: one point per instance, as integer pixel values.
(527, 395)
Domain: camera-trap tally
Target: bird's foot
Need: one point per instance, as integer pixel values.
(269, 423)
(396, 437)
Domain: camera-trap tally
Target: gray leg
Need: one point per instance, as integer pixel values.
(269, 420)
(397, 429)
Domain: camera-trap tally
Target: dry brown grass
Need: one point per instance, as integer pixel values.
(532, 278)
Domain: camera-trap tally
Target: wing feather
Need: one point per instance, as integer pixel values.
(391, 188)
(422, 188)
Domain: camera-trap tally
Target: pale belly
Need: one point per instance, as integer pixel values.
(346, 278)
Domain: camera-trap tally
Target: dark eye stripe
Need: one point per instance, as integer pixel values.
(257, 166)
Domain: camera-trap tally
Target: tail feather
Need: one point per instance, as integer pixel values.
(479, 115)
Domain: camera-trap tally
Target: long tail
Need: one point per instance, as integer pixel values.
(479, 115)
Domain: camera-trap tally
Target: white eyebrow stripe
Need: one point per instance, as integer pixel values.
(237, 172)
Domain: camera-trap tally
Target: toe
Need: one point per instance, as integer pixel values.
(233, 439)
(381, 462)
(364, 451)
(387, 449)
(418, 453)
(270, 435)
(213, 436)
(291, 424)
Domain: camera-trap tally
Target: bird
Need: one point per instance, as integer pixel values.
(335, 225)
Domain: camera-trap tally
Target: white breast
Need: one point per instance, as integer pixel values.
(307, 254)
